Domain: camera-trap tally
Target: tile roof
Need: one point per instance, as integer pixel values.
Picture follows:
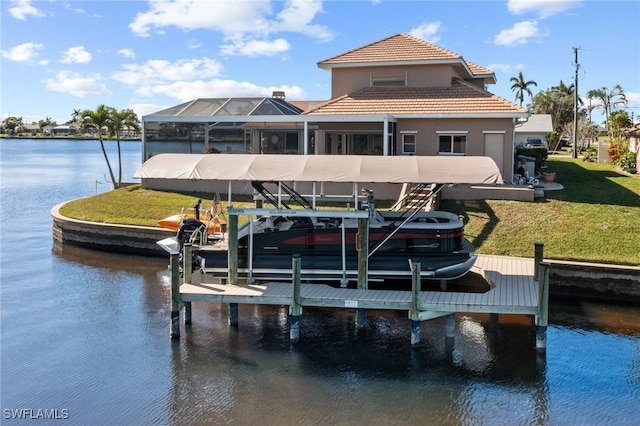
(461, 98)
(400, 48)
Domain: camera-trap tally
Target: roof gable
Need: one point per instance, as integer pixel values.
(402, 49)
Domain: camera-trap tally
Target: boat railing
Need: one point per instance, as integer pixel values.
(406, 218)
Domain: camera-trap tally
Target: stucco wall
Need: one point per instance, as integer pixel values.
(347, 80)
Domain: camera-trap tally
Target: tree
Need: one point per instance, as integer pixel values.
(121, 120)
(48, 121)
(521, 87)
(618, 120)
(76, 117)
(608, 99)
(12, 124)
(99, 119)
(557, 101)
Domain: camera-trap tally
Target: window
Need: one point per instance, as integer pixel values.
(452, 143)
(408, 143)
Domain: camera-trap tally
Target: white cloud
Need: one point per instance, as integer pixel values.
(22, 52)
(297, 17)
(245, 25)
(255, 47)
(506, 68)
(229, 17)
(75, 84)
(193, 44)
(542, 8)
(161, 71)
(427, 31)
(521, 33)
(21, 9)
(185, 91)
(127, 53)
(633, 100)
(76, 55)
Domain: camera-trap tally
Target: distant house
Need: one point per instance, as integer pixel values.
(32, 129)
(397, 96)
(535, 129)
(62, 130)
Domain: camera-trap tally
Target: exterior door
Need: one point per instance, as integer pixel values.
(494, 148)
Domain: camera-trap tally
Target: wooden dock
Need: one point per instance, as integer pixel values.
(514, 289)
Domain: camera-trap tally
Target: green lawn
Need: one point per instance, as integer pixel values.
(596, 217)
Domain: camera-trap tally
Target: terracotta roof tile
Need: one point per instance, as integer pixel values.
(400, 48)
(459, 98)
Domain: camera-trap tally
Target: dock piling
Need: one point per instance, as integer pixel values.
(542, 318)
(414, 313)
(175, 296)
(233, 314)
(295, 309)
(186, 273)
(538, 257)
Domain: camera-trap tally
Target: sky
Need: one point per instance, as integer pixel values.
(58, 56)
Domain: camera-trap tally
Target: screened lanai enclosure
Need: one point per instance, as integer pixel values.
(261, 126)
(219, 125)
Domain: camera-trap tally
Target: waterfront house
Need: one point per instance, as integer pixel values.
(397, 96)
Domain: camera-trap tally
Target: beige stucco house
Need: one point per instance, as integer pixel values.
(396, 96)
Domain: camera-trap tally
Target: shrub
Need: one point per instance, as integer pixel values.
(627, 161)
(591, 155)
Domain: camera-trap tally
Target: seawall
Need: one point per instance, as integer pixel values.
(139, 240)
(575, 280)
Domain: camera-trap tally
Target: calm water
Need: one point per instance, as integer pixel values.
(85, 336)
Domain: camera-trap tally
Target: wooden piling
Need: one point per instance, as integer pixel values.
(232, 241)
(295, 309)
(186, 274)
(538, 257)
(232, 274)
(450, 326)
(175, 296)
(414, 313)
(363, 267)
(542, 318)
(233, 314)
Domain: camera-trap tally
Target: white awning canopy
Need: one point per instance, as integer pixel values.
(322, 168)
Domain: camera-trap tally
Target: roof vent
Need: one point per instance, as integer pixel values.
(278, 94)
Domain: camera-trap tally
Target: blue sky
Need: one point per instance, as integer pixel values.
(58, 56)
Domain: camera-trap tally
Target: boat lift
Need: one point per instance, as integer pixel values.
(314, 169)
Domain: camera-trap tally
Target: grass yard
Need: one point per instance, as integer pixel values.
(596, 217)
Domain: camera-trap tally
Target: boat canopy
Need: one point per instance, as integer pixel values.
(323, 168)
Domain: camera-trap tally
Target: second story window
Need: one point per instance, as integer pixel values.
(452, 143)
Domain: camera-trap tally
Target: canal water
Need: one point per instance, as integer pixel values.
(85, 340)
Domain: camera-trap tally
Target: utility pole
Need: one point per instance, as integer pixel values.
(575, 106)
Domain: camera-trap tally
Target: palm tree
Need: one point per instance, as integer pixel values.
(520, 87)
(121, 120)
(608, 99)
(98, 119)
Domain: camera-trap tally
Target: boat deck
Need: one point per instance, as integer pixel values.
(513, 290)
